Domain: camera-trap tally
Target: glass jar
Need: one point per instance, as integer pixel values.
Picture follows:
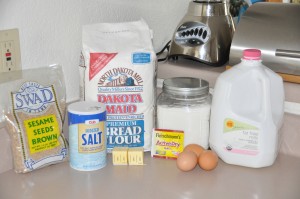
(184, 104)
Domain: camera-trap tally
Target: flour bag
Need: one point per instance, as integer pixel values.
(118, 68)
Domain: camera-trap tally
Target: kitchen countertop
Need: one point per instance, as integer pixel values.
(189, 68)
(158, 178)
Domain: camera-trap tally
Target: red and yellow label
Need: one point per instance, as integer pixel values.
(167, 143)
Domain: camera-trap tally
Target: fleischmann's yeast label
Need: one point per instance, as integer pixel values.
(39, 121)
(167, 143)
(128, 93)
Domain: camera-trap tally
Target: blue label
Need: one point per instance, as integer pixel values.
(141, 58)
(125, 133)
(77, 119)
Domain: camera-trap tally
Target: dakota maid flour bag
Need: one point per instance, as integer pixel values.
(118, 69)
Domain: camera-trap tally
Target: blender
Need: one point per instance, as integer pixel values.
(205, 33)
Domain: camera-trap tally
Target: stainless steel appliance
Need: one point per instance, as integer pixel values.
(205, 33)
(274, 28)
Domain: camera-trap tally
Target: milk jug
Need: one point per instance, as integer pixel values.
(247, 113)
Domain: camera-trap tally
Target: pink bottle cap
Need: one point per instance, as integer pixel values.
(251, 54)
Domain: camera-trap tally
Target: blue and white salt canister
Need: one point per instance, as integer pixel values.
(87, 135)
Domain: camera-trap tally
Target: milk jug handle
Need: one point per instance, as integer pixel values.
(265, 82)
(2, 118)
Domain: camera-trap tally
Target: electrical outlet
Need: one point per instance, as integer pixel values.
(10, 55)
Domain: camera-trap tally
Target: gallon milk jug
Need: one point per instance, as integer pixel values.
(247, 113)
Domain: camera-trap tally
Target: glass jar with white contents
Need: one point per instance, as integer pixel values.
(184, 104)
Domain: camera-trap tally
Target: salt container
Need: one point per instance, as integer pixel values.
(87, 135)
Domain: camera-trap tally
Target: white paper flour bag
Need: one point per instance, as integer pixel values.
(119, 70)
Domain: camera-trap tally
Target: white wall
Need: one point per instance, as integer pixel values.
(50, 30)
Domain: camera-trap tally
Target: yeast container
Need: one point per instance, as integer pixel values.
(247, 113)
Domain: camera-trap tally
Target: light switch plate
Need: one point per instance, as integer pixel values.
(10, 55)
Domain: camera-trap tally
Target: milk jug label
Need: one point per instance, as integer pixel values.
(240, 138)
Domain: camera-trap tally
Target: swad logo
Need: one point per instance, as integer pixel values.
(33, 97)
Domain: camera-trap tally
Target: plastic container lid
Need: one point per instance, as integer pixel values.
(251, 54)
(86, 108)
(186, 86)
(208, 1)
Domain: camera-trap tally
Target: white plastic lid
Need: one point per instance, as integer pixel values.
(252, 54)
(86, 108)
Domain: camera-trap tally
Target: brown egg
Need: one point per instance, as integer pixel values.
(186, 161)
(197, 149)
(208, 160)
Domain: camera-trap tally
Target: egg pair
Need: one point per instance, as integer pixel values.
(194, 154)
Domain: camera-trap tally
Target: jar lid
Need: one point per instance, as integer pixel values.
(186, 86)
